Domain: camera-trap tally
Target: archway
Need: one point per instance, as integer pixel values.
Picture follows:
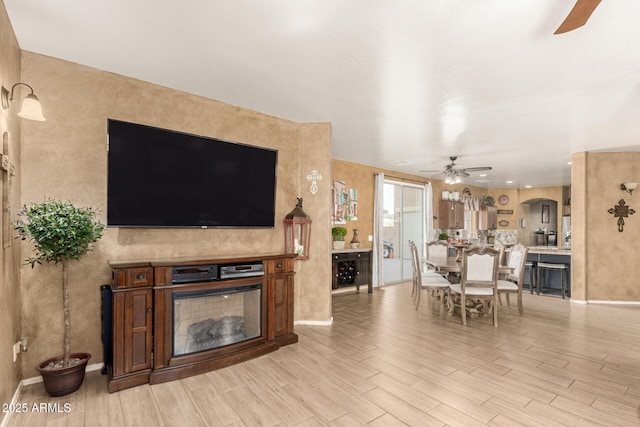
(538, 222)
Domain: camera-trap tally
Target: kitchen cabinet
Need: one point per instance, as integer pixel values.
(488, 218)
(451, 215)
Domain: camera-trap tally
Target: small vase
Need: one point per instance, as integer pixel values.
(355, 243)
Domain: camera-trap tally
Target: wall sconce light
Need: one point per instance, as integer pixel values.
(628, 187)
(31, 108)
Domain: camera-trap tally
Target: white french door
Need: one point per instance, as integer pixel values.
(403, 220)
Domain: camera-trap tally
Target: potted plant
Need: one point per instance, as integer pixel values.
(338, 234)
(60, 233)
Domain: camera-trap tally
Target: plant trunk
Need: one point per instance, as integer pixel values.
(67, 316)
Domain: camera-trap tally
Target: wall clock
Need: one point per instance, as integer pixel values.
(503, 200)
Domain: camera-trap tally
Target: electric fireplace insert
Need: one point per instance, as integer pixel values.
(212, 318)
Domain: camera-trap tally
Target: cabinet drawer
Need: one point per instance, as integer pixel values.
(133, 277)
(351, 256)
(277, 266)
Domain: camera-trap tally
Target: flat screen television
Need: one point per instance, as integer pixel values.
(163, 178)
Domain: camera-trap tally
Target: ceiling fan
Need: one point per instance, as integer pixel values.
(453, 174)
(578, 16)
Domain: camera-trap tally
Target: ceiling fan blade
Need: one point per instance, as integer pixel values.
(478, 169)
(462, 172)
(578, 16)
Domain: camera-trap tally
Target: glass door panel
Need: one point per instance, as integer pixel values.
(403, 221)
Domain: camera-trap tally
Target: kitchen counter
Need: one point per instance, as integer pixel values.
(551, 254)
(549, 250)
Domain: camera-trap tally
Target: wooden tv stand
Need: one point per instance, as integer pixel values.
(141, 323)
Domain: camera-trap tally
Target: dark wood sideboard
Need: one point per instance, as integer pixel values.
(352, 267)
(142, 296)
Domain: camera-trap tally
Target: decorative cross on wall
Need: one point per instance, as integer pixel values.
(621, 211)
(314, 177)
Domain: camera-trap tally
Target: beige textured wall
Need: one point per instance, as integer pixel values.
(10, 332)
(579, 226)
(361, 177)
(66, 158)
(313, 279)
(611, 256)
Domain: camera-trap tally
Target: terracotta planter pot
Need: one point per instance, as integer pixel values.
(66, 380)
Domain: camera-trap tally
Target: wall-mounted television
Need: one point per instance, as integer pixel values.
(164, 178)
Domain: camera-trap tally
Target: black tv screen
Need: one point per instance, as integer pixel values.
(163, 178)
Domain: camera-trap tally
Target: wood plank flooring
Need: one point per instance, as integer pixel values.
(382, 363)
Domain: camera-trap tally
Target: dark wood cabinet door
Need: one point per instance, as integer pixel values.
(132, 334)
(280, 289)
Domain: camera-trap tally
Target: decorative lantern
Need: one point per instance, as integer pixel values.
(297, 229)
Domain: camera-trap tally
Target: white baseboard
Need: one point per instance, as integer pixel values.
(315, 322)
(606, 302)
(38, 379)
(14, 400)
(35, 380)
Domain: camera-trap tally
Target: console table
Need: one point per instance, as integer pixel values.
(352, 267)
(143, 296)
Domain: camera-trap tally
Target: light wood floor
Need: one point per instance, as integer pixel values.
(384, 364)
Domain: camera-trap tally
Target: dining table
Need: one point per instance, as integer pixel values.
(453, 267)
(452, 264)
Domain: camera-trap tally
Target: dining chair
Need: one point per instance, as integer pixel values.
(478, 281)
(500, 247)
(436, 249)
(425, 279)
(513, 282)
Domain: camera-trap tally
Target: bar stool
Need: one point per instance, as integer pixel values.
(532, 274)
(551, 266)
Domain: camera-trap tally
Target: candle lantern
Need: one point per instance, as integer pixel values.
(297, 229)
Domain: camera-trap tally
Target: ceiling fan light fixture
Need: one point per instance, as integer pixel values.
(453, 172)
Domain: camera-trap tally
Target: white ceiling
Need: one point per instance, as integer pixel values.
(400, 81)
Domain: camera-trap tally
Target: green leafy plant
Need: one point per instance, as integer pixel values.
(338, 233)
(443, 236)
(60, 233)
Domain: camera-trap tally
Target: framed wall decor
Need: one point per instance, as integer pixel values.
(545, 214)
(345, 203)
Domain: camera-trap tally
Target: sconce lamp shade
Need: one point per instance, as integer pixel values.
(297, 232)
(31, 108)
(628, 186)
